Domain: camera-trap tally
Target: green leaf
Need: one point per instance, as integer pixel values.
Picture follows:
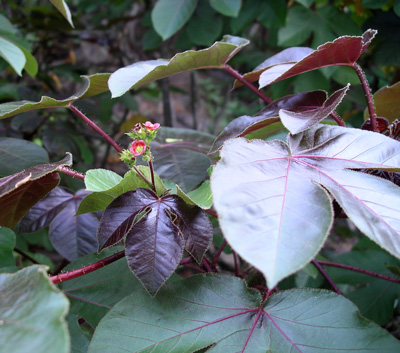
(64, 10)
(144, 72)
(275, 189)
(19, 192)
(16, 155)
(6, 25)
(101, 179)
(93, 85)
(201, 196)
(32, 313)
(168, 16)
(229, 8)
(98, 201)
(374, 4)
(13, 55)
(79, 341)
(396, 7)
(7, 243)
(221, 312)
(387, 104)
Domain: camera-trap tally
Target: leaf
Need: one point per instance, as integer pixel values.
(72, 236)
(275, 189)
(342, 51)
(297, 112)
(144, 72)
(168, 16)
(19, 192)
(93, 85)
(221, 312)
(79, 341)
(98, 201)
(64, 10)
(157, 230)
(386, 101)
(17, 154)
(229, 8)
(101, 179)
(94, 294)
(7, 244)
(201, 196)
(30, 308)
(13, 55)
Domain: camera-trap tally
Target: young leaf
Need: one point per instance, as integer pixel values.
(17, 154)
(275, 210)
(19, 192)
(157, 230)
(64, 10)
(101, 179)
(144, 72)
(168, 16)
(342, 51)
(220, 311)
(32, 313)
(386, 101)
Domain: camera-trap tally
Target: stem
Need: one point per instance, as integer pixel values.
(26, 256)
(216, 258)
(152, 176)
(325, 275)
(95, 127)
(211, 212)
(360, 270)
(71, 173)
(206, 265)
(248, 84)
(368, 96)
(339, 121)
(142, 175)
(195, 268)
(87, 269)
(236, 263)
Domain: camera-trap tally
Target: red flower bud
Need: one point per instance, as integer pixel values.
(138, 147)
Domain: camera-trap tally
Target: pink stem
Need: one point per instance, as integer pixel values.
(206, 265)
(325, 275)
(216, 258)
(71, 173)
(339, 121)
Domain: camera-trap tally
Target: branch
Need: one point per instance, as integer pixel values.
(95, 127)
(337, 119)
(325, 275)
(87, 269)
(71, 173)
(360, 270)
(26, 256)
(248, 84)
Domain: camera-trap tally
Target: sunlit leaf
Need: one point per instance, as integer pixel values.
(64, 10)
(13, 55)
(101, 179)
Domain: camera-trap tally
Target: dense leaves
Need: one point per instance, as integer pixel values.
(221, 311)
(157, 231)
(274, 204)
(30, 308)
(19, 192)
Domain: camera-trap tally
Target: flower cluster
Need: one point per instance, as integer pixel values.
(142, 135)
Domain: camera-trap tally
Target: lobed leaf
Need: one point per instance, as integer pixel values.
(342, 51)
(276, 212)
(144, 72)
(220, 312)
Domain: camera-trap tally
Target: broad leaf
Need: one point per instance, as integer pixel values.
(157, 230)
(98, 201)
(144, 72)
(101, 179)
(13, 55)
(201, 196)
(168, 16)
(16, 155)
(64, 10)
(342, 51)
(387, 104)
(94, 294)
(275, 210)
(221, 312)
(32, 313)
(7, 243)
(297, 112)
(93, 85)
(72, 236)
(79, 341)
(229, 8)
(19, 192)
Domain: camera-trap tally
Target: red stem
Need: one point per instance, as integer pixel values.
(339, 121)
(142, 176)
(216, 258)
(368, 96)
(206, 265)
(211, 212)
(95, 127)
(360, 270)
(152, 176)
(71, 173)
(326, 276)
(248, 84)
(87, 269)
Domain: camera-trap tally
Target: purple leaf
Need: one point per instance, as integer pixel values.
(342, 51)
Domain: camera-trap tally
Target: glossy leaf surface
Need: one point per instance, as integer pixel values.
(154, 244)
(19, 192)
(275, 211)
(144, 72)
(101, 179)
(342, 51)
(13, 55)
(30, 308)
(220, 311)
